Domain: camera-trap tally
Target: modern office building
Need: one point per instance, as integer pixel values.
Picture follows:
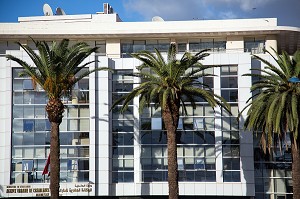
(104, 153)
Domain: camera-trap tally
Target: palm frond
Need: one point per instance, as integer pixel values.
(274, 109)
(55, 67)
(171, 82)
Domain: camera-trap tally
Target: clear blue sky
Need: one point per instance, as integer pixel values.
(287, 11)
(10, 10)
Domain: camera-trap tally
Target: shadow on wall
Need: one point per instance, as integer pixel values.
(246, 139)
(247, 161)
(1, 191)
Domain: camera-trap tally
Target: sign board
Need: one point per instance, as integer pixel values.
(38, 190)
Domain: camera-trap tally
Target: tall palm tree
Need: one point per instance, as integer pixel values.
(168, 84)
(56, 69)
(275, 109)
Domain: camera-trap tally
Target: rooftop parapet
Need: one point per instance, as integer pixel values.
(107, 15)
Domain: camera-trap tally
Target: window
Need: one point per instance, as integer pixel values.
(181, 47)
(131, 46)
(231, 156)
(215, 45)
(273, 172)
(200, 163)
(163, 45)
(123, 126)
(254, 45)
(128, 114)
(198, 170)
(126, 48)
(230, 125)
(28, 125)
(27, 84)
(101, 47)
(156, 124)
(229, 83)
(151, 45)
(138, 46)
(122, 177)
(231, 176)
(190, 123)
(125, 138)
(228, 70)
(199, 123)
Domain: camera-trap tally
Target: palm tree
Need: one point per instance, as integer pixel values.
(56, 69)
(275, 109)
(168, 84)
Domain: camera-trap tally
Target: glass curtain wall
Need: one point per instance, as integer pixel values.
(215, 45)
(122, 130)
(133, 46)
(273, 170)
(31, 133)
(154, 163)
(230, 125)
(196, 143)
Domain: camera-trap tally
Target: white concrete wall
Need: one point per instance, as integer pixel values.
(5, 121)
(67, 18)
(113, 48)
(246, 137)
(235, 44)
(93, 123)
(102, 132)
(271, 42)
(5, 85)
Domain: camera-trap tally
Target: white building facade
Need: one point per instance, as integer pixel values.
(104, 153)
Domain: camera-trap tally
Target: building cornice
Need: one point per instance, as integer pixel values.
(77, 27)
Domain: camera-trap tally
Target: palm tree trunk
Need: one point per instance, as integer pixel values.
(296, 169)
(172, 165)
(54, 160)
(55, 109)
(171, 117)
